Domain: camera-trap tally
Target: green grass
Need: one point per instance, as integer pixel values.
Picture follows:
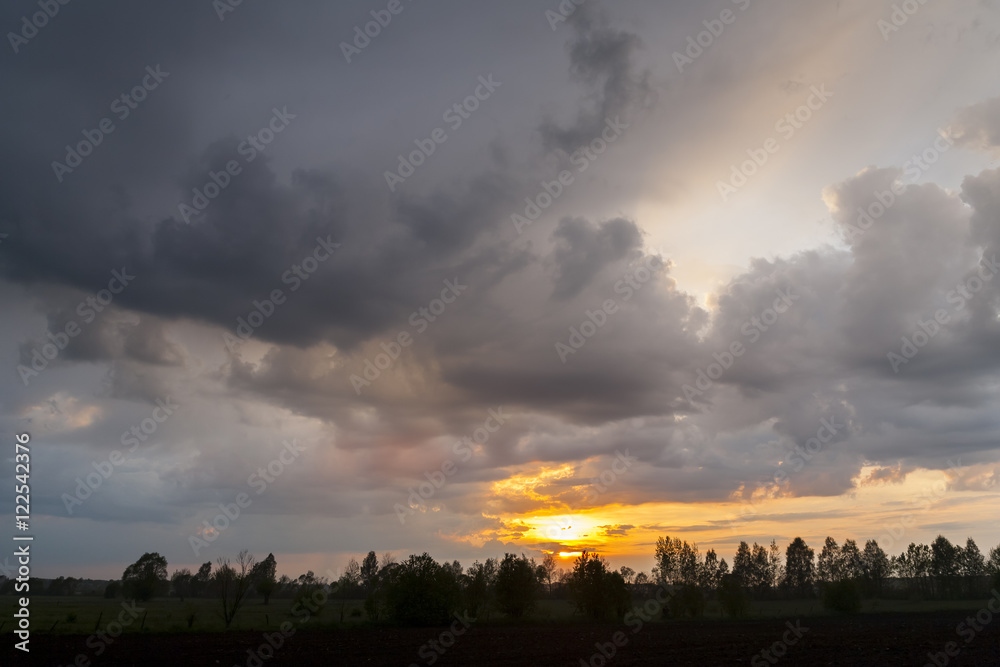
(79, 615)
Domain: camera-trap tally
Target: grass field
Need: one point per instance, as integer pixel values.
(82, 615)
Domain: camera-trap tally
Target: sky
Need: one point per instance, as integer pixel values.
(473, 278)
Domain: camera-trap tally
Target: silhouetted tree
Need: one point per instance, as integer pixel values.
(146, 577)
(993, 562)
(799, 567)
(743, 567)
(232, 583)
(180, 580)
(481, 581)
(370, 582)
(419, 591)
(667, 558)
(944, 557)
(828, 566)
(710, 571)
(516, 585)
(264, 577)
(972, 562)
(201, 583)
(875, 566)
(549, 565)
(851, 562)
(597, 590)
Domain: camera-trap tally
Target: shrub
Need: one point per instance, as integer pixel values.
(732, 597)
(422, 592)
(688, 601)
(516, 585)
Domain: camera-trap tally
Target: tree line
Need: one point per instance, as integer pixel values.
(841, 574)
(419, 590)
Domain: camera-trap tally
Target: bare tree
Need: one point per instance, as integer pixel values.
(232, 583)
(550, 564)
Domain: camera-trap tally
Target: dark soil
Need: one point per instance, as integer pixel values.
(884, 639)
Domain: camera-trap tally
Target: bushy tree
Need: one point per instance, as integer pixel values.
(480, 586)
(760, 576)
(689, 564)
(743, 566)
(828, 566)
(265, 577)
(668, 561)
(419, 591)
(201, 582)
(516, 585)
(875, 566)
(993, 562)
(146, 577)
(799, 567)
(972, 562)
(945, 557)
(851, 562)
(711, 571)
(776, 571)
(596, 590)
(370, 581)
(914, 563)
(180, 581)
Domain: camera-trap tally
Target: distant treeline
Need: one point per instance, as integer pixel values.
(420, 590)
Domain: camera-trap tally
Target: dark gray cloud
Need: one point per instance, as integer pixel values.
(838, 308)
